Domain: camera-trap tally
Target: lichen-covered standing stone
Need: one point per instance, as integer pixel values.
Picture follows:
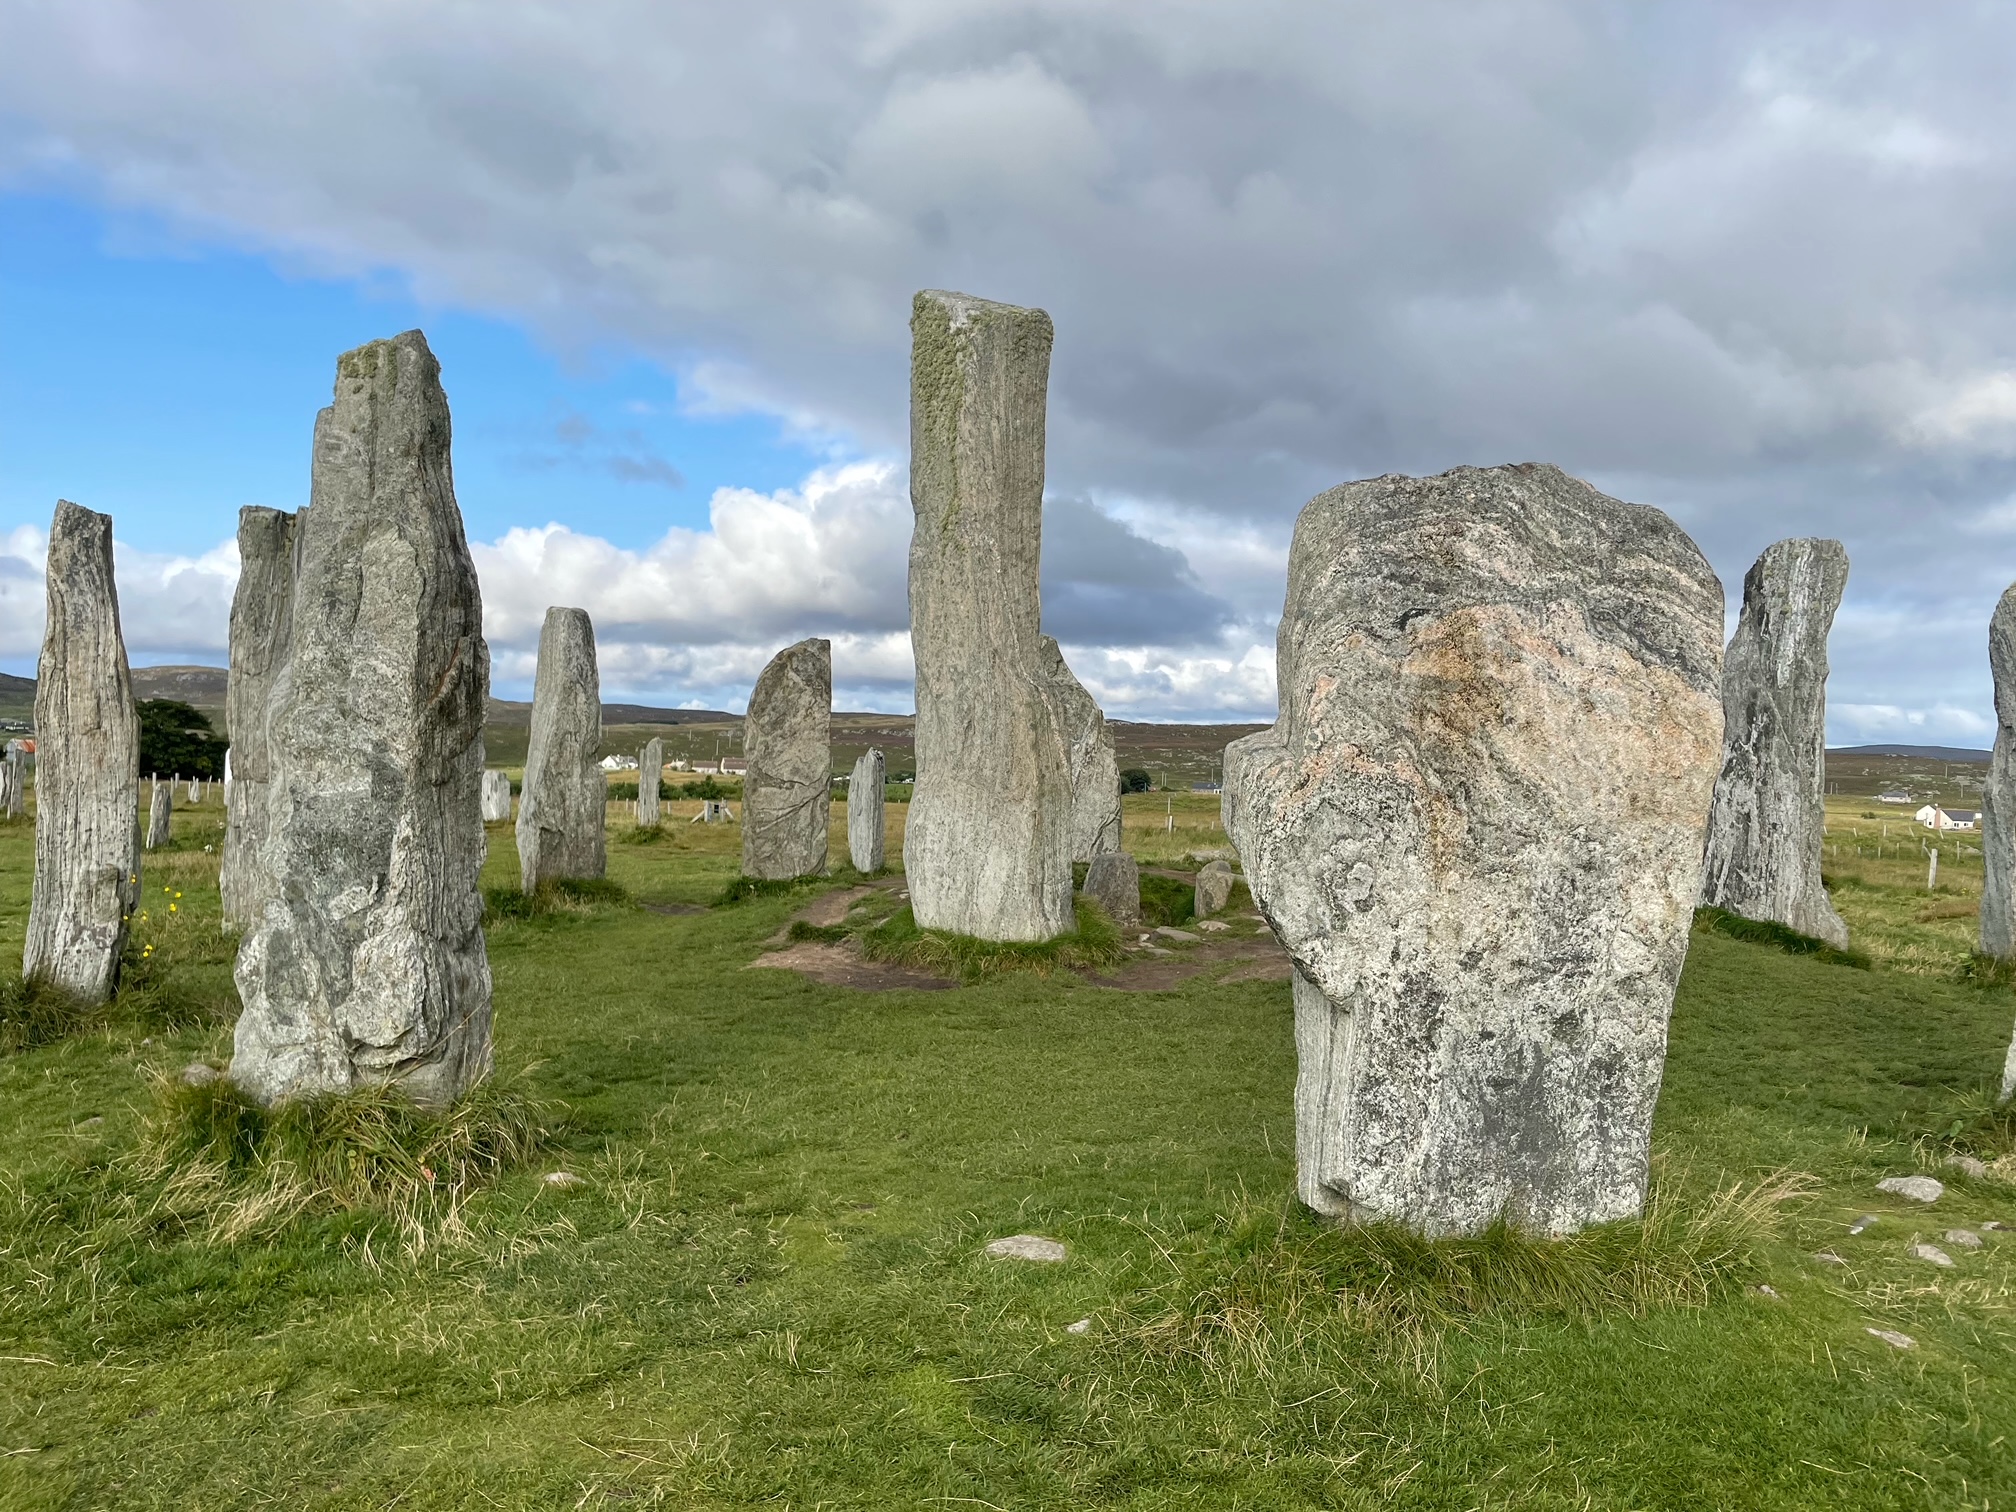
(562, 803)
(787, 792)
(160, 814)
(1764, 837)
(366, 964)
(987, 842)
(866, 790)
(1477, 828)
(496, 798)
(87, 769)
(1213, 889)
(1998, 809)
(650, 772)
(261, 611)
(1113, 881)
(1089, 758)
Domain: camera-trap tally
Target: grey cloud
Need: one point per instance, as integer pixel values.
(1105, 585)
(575, 441)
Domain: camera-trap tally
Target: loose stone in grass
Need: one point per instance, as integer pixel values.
(787, 794)
(160, 814)
(366, 965)
(1089, 757)
(1113, 881)
(1477, 828)
(1213, 926)
(496, 796)
(1028, 1247)
(87, 769)
(1828, 1257)
(1863, 1224)
(1932, 1254)
(1893, 1339)
(867, 788)
(262, 610)
(197, 1074)
(1083, 1325)
(650, 773)
(562, 803)
(1764, 839)
(1963, 1238)
(1917, 1188)
(1183, 936)
(1213, 889)
(987, 846)
(564, 1179)
(1968, 1165)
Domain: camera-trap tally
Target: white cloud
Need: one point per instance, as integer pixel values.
(171, 608)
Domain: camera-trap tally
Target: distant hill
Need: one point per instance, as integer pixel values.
(1923, 753)
(505, 711)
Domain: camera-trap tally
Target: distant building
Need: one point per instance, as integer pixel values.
(619, 763)
(733, 764)
(1893, 797)
(1935, 818)
(706, 768)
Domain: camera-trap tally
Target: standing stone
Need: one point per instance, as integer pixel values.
(365, 965)
(650, 772)
(1113, 881)
(1998, 809)
(17, 779)
(1477, 827)
(496, 800)
(1770, 813)
(87, 769)
(1088, 758)
(866, 790)
(160, 814)
(261, 611)
(987, 847)
(1213, 889)
(561, 806)
(787, 792)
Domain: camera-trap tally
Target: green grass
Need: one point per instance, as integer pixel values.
(897, 939)
(769, 1289)
(507, 902)
(1778, 937)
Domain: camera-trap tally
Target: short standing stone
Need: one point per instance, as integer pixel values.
(650, 772)
(1113, 881)
(1916, 1188)
(866, 790)
(1028, 1247)
(987, 841)
(160, 814)
(1764, 836)
(562, 804)
(496, 796)
(1088, 755)
(17, 779)
(787, 792)
(262, 609)
(1213, 889)
(1477, 829)
(87, 769)
(366, 964)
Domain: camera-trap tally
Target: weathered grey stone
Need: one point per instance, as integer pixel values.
(16, 767)
(1964, 1238)
(1113, 881)
(987, 843)
(261, 612)
(1891, 1337)
(1915, 1188)
(160, 814)
(496, 796)
(650, 772)
(1764, 836)
(866, 790)
(787, 793)
(562, 802)
(1089, 759)
(1477, 829)
(1998, 809)
(1028, 1247)
(1933, 1254)
(366, 964)
(87, 769)
(1213, 889)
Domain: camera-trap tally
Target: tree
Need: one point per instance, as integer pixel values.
(177, 739)
(1137, 780)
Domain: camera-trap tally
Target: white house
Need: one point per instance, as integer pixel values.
(1893, 797)
(619, 763)
(1936, 818)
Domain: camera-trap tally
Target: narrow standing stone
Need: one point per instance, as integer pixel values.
(1088, 758)
(17, 779)
(496, 796)
(1477, 827)
(1770, 811)
(366, 963)
(261, 612)
(562, 804)
(866, 790)
(650, 772)
(987, 844)
(160, 814)
(87, 769)
(1113, 881)
(787, 792)
(1998, 809)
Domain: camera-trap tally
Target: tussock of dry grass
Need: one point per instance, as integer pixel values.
(898, 941)
(36, 1013)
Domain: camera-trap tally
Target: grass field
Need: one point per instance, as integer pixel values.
(769, 1290)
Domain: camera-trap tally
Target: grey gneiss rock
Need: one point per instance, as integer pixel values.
(1028, 1247)
(1089, 760)
(1764, 832)
(160, 814)
(1915, 1188)
(866, 790)
(262, 610)
(561, 802)
(987, 844)
(17, 779)
(787, 792)
(366, 964)
(1477, 828)
(496, 798)
(1113, 881)
(87, 769)
(1998, 809)
(650, 772)
(1213, 888)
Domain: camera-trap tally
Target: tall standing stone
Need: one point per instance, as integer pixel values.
(261, 611)
(1998, 808)
(650, 772)
(562, 805)
(787, 792)
(1477, 828)
(87, 769)
(987, 844)
(496, 796)
(1089, 759)
(867, 789)
(1765, 836)
(17, 779)
(160, 814)
(366, 964)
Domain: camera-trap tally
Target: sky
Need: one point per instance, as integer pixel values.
(1752, 265)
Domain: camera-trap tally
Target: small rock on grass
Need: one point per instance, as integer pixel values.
(565, 1179)
(1964, 1238)
(196, 1074)
(1828, 1257)
(1213, 926)
(1893, 1339)
(1933, 1254)
(1917, 1188)
(1967, 1165)
(1865, 1222)
(1767, 1291)
(1083, 1325)
(1169, 933)
(1027, 1247)
(1996, 1226)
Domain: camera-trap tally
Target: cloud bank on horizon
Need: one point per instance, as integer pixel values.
(1742, 263)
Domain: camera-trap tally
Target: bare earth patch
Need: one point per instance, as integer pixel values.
(840, 965)
(1250, 958)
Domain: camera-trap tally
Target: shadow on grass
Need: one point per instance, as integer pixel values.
(1779, 937)
(570, 896)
